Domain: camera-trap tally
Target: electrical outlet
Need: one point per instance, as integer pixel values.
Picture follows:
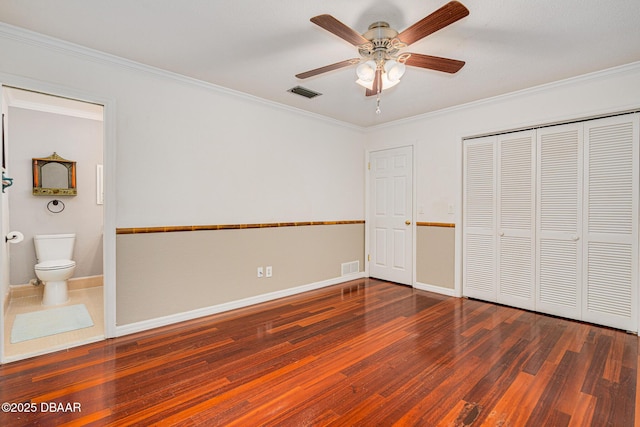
(260, 272)
(269, 271)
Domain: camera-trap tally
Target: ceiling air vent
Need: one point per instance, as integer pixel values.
(303, 91)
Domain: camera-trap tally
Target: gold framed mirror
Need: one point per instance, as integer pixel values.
(54, 175)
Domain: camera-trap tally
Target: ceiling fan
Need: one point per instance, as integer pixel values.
(381, 64)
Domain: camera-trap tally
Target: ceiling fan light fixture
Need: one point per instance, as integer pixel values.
(394, 70)
(381, 64)
(366, 85)
(386, 83)
(367, 71)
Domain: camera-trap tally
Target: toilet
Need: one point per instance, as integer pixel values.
(54, 265)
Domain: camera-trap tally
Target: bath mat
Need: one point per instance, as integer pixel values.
(38, 324)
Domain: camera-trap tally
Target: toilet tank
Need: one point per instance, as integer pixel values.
(54, 246)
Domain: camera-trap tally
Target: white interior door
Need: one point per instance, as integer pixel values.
(516, 219)
(611, 222)
(390, 212)
(479, 219)
(559, 220)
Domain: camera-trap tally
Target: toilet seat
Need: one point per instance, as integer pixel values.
(56, 264)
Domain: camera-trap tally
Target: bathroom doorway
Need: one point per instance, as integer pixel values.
(36, 125)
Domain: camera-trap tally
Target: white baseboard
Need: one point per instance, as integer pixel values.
(435, 289)
(5, 302)
(232, 305)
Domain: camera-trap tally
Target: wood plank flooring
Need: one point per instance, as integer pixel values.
(362, 353)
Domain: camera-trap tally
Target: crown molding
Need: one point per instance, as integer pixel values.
(40, 40)
(632, 67)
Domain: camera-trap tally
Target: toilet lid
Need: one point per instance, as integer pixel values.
(56, 264)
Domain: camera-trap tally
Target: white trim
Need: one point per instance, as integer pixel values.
(99, 185)
(26, 105)
(414, 212)
(457, 271)
(47, 42)
(109, 159)
(39, 40)
(74, 109)
(614, 71)
(50, 350)
(435, 289)
(367, 174)
(109, 212)
(4, 224)
(232, 305)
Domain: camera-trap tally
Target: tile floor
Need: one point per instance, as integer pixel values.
(92, 298)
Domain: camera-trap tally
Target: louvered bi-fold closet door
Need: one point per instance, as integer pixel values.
(559, 220)
(479, 204)
(611, 222)
(516, 218)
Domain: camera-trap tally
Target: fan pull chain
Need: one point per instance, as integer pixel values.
(378, 104)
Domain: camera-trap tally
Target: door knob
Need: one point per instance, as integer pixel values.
(407, 222)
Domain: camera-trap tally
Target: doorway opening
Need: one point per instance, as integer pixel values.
(35, 126)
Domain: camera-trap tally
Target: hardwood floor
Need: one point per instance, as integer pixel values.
(363, 353)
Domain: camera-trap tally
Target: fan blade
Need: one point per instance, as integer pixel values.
(446, 15)
(327, 68)
(434, 63)
(336, 27)
(376, 88)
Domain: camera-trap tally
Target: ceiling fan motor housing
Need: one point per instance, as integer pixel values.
(380, 30)
(383, 42)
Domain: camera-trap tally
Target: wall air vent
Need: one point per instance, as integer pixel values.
(352, 267)
(303, 91)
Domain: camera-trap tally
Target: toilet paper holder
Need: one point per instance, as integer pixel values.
(14, 237)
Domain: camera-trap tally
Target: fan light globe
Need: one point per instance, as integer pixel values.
(394, 70)
(386, 83)
(366, 71)
(366, 85)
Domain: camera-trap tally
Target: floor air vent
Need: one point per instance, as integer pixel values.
(352, 267)
(303, 91)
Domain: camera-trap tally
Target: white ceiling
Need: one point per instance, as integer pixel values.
(257, 46)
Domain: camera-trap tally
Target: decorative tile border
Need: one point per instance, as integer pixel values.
(436, 224)
(171, 229)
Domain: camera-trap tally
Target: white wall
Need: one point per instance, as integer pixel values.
(39, 134)
(438, 136)
(190, 153)
(183, 152)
